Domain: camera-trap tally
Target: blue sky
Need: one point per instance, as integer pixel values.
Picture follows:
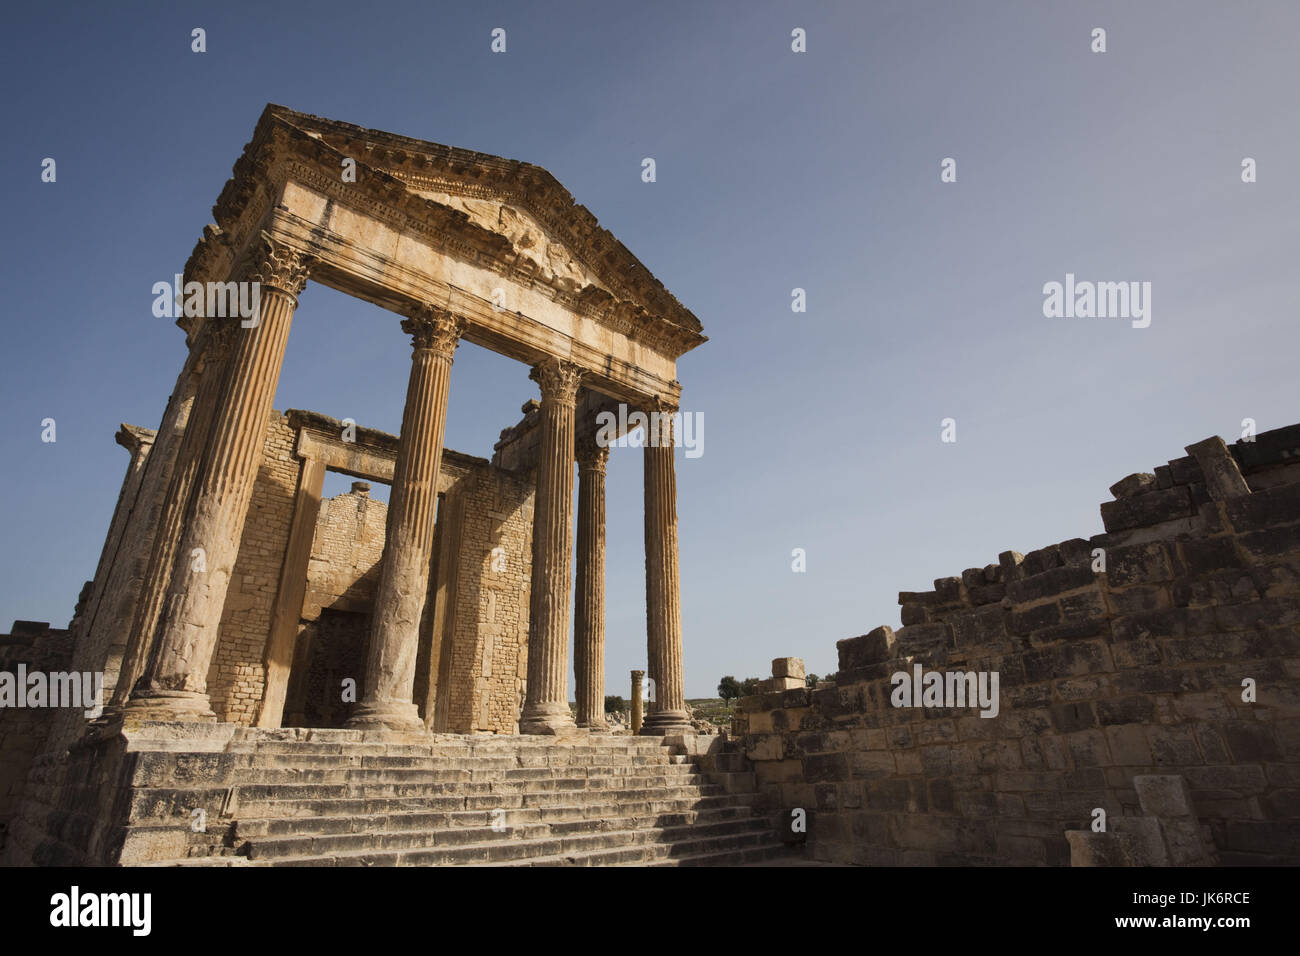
(775, 170)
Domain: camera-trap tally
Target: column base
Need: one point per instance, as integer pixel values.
(594, 726)
(398, 716)
(664, 722)
(553, 719)
(170, 705)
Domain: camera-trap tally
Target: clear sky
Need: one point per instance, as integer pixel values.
(775, 170)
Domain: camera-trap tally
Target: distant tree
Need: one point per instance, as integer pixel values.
(613, 704)
(749, 687)
(811, 680)
(728, 688)
(828, 677)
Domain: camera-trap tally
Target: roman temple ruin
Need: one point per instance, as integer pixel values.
(235, 608)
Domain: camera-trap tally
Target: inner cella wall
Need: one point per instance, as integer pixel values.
(1170, 644)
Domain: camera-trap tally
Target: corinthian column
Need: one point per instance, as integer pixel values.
(408, 541)
(546, 706)
(216, 339)
(174, 684)
(662, 585)
(589, 588)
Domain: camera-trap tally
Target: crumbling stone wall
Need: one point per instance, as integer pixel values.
(1106, 672)
(346, 553)
(38, 647)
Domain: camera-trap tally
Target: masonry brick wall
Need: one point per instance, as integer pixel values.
(489, 657)
(1104, 675)
(346, 553)
(237, 676)
(489, 643)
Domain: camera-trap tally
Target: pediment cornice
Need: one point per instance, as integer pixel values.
(391, 172)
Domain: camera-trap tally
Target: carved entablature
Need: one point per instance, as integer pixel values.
(529, 239)
(399, 221)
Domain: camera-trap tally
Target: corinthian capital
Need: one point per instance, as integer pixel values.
(559, 380)
(274, 265)
(662, 412)
(591, 454)
(433, 328)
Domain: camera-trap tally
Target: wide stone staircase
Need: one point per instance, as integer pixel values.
(344, 798)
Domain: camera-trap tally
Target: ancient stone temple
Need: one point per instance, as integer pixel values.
(234, 605)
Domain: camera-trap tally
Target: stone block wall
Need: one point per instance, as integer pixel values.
(346, 554)
(1179, 655)
(38, 647)
(334, 630)
(484, 663)
(237, 676)
(489, 661)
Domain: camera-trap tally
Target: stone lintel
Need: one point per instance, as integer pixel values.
(372, 457)
(359, 272)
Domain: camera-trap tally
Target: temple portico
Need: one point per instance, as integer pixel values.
(463, 247)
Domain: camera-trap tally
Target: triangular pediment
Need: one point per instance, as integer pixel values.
(507, 208)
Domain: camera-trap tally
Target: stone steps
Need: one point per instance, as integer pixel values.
(522, 838)
(337, 798)
(666, 812)
(288, 785)
(465, 781)
(293, 808)
(604, 848)
(470, 797)
(485, 766)
(509, 747)
(518, 777)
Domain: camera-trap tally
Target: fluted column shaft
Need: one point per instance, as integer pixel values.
(667, 711)
(546, 706)
(217, 338)
(174, 685)
(589, 587)
(408, 543)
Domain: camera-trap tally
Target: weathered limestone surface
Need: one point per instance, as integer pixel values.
(212, 347)
(668, 714)
(546, 708)
(130, 535)
(589, 587)
(408, 547)
(1167, 834)
(175, 680)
